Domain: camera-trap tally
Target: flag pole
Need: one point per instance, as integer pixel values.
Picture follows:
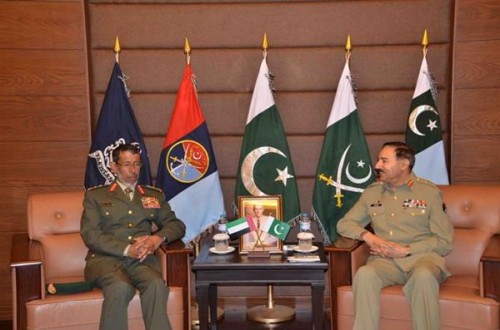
(117, 50)
(270, 313)
(187, 51)
(425, 42)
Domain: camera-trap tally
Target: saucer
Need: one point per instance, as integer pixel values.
(312, 249)
(229, 250)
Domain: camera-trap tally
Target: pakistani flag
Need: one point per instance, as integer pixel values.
(344, 167)
(265, 167)
(276, 228)
(423, 132)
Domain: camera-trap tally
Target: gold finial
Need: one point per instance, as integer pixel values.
(348, 46)
(265, 44)
(117, 49)
(187, 50)
(425, 42)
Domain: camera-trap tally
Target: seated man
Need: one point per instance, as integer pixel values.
(411, 235)
(117, 227)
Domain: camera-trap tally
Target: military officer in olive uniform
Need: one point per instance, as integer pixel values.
(412, 234)
(117, 227)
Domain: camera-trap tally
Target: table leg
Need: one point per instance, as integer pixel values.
(202, 297)
(212, 301)
(318, 291)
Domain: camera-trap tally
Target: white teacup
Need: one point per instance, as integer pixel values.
(305, 241)
(221, 242)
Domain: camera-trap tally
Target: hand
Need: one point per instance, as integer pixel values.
(144, 246)
(383, 248)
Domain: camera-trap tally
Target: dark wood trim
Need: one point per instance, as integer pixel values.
(491, 268)
(339, 258)
(179, 273)
(28, 274)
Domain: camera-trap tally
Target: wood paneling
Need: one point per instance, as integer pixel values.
(477, 20)
(479, 155)
(241, 25)
(44, 118)
(477, 64)
(476, 112)
(39, 72)
(41, 25)
(43, 163)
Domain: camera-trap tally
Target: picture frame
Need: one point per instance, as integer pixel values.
(260, 208)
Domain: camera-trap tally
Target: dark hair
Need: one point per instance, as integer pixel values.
(122, 148)
(402, 151)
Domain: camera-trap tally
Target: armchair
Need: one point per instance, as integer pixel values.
(469, 299)
(53, 252)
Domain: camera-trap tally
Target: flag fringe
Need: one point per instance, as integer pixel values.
(124, 79)
(208, 231)
(352, 82)
(432, 85)
(326, 239)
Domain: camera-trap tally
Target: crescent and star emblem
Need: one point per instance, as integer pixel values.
(412, 119)
(187, 161)
(248, 165)
(339, 185)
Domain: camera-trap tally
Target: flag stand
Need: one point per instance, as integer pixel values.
(271, 313)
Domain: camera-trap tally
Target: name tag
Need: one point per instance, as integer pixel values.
(150, 203)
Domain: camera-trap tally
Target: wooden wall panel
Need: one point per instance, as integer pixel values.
(44, 117)
(39, 72)
(477, 20)
(477, 64)
(476, 86)
(476, 112)
(38, 25)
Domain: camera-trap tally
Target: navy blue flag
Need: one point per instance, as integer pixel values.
(116, 125)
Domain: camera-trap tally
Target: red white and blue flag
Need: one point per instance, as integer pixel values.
(188, 172)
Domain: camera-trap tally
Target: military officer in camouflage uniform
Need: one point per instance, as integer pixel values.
(411, 235)
(117, 227)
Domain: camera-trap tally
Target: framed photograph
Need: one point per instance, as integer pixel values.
(261, 209)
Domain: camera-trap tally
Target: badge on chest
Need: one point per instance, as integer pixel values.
(150, 202)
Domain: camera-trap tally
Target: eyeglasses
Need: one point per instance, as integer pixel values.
(129, 165)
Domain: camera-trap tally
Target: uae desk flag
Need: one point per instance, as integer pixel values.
(116, 125)
(423, 131)
(265, 167)
(344, 167)
(187, 171)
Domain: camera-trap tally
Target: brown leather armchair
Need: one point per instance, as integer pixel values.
(53, 252)
(469, 299)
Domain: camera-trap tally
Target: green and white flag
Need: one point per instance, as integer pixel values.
(276, 228)
(345, 166)
(423, 132)
(265, 167)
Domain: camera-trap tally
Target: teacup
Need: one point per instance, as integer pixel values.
(221, 242)
(305, 241)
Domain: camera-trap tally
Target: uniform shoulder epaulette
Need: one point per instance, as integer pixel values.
(375, 184)
(427, 182)
(151, 187)
(97, 187)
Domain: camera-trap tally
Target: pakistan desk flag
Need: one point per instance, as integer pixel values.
(265, 167)
(344, 167)
(423, 132)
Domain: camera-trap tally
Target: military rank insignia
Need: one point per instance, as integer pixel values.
(150, 203)
(415, 203)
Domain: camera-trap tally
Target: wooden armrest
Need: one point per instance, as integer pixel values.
(178, 272)
(26, 277)
(339, 258)
(490, 262)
